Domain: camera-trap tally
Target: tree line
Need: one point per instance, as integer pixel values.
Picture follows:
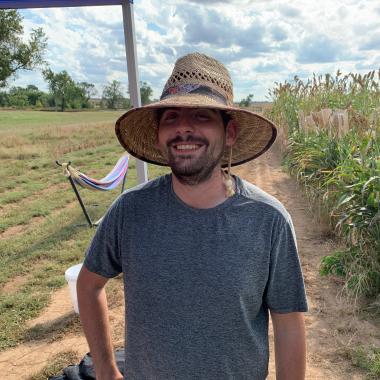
(17, 53)
(64, 93)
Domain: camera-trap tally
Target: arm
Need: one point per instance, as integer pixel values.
(93, 311)
(290, 345)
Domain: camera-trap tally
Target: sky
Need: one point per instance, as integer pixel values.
(260, 42)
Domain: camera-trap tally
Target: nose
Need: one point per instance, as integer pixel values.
(184, 124)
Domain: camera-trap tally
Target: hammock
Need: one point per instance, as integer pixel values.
(109, 182)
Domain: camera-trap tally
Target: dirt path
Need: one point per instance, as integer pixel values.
(332, 327)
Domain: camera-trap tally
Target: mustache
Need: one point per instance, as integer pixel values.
(188, 139)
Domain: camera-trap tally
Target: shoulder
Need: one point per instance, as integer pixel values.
(140, 197)
(150, 186)
(252, 194)
(145, 192)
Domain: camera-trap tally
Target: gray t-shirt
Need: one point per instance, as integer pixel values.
(199, 282)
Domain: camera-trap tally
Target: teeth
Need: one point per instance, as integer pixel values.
(186, 147)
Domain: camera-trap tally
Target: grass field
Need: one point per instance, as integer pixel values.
(10, 119)
(42, 229)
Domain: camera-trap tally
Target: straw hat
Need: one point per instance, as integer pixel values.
(196, 81)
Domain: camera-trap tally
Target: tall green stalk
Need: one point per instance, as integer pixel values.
(342, 174)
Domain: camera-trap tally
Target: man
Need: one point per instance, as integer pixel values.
(204, 254)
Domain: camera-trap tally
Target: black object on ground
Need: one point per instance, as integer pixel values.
(85, 369)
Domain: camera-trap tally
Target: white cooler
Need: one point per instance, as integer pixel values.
(71, 276)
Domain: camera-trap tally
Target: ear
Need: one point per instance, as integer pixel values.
(231, 133)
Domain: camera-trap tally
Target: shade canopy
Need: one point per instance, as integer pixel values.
(18, 4)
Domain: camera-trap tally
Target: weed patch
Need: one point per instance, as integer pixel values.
(367, 359)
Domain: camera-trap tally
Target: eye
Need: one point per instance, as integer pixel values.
(169, 116)
(202, 115)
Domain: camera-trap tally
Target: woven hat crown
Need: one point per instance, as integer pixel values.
(200, 69)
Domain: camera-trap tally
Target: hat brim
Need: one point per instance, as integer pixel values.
(137, 130)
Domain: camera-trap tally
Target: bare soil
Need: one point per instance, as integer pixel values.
(333, 326)
(15, 284)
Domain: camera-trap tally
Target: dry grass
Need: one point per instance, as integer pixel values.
(58, 362)
(40, 217)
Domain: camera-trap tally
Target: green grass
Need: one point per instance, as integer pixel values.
(368, 360)
(25, 119)
(42, 228)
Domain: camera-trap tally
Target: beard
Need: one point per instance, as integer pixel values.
(191, 170)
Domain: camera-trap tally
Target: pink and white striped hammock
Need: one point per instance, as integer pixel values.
(109, 182)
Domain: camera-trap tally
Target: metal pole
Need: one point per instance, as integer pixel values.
(80, 202)
(133, 75)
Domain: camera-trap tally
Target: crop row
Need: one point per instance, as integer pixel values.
(340, 175)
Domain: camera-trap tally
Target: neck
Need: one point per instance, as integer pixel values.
(207, 194)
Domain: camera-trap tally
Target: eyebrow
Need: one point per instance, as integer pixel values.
(160, 112)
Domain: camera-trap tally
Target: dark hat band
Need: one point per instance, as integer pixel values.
(184, 89)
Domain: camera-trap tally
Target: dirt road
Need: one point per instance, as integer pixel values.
(332, 328)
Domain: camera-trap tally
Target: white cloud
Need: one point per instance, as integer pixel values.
(261, 42)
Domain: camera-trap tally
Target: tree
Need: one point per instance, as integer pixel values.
(88, 90)
(66, 92)
(114, 98)
(146, 92)
(60, 85)
(112, 95)
(18, 97)
(4, 99)
(246, 102)
(35, 96)
(15, 54)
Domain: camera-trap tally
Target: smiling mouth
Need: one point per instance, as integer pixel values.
(187, 147)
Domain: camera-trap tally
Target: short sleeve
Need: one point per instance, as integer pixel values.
(103, 255)
(285, 291)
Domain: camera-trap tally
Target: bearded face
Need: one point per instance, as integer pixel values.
(192, 141)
